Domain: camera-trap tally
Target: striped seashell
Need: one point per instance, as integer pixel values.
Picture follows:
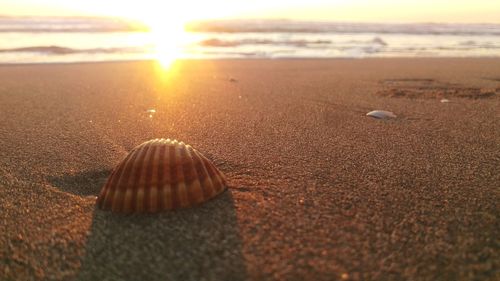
(159, 175)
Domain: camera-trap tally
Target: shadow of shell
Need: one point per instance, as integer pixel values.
(201, 243)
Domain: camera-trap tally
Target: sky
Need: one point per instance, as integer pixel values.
(456, 11)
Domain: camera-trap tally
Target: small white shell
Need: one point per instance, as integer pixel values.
(161, 175)
(381, 114)
(445, 100)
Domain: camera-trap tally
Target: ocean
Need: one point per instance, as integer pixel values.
(87, 39)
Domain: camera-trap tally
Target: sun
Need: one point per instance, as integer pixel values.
(165, 22)
(166, 32)
(168, 38)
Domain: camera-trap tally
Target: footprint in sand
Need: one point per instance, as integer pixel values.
(426, 88)
(497, 79)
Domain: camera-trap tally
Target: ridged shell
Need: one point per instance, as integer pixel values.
(159, 175)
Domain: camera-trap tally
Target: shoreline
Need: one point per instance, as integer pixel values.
(252, 59)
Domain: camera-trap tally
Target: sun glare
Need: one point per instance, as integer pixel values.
(166, 22)
(166, 29)
(168, 37)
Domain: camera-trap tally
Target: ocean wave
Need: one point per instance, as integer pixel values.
(85, 39)
(214, 42)
(58, 50)
(481, 45)
(68, 24)
(109, 24)
(374, 44)
(288, 26)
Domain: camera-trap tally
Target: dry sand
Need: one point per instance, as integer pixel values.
(318, 191)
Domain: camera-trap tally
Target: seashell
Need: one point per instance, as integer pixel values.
(381, 114)
(445, 100)
(159, 175)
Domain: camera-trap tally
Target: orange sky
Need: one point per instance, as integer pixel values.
(337, 10)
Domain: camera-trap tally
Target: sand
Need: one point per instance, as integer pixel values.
(318, 190)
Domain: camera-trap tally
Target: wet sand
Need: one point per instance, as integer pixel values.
(318, 191)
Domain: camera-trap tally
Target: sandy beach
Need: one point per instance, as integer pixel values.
(317, 190)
